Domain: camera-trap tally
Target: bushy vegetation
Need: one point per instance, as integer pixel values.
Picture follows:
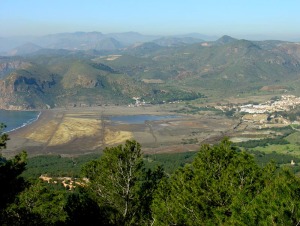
(263, 142)
(263, 158)
(225, 187)
(55, 165)
(280, 140)
(292, 115)
(191, 109)
(158, 96)
(170, 162)
(218, 185)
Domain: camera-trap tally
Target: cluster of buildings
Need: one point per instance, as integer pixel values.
(286, 103)
(137, 103)
(267, 113)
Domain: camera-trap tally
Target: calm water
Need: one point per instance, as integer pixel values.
(140, 119)
(17, 119)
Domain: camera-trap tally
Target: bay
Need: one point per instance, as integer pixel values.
(17, 119)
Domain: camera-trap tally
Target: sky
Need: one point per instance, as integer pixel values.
(253, 19)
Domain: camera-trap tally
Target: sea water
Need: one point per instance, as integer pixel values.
(17, 119)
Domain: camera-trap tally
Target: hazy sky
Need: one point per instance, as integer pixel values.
(278, 19)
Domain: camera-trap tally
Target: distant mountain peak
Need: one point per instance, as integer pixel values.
(176, 41)
(146, 45)
(24, 49)
(225, 39)
(108, 44)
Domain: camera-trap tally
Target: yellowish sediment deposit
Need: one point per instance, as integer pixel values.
(72, 128)
(57, 132)
(112, 137)
(66, 128)
(43, 133)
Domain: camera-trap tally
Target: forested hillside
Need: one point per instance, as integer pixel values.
(221, 186)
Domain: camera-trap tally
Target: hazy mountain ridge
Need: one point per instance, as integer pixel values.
(89, 40)
(25, 49)
(51, 77)
(176, 41)
(214, 64)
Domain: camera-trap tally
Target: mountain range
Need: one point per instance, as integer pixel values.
(89, 40)
(62, 70)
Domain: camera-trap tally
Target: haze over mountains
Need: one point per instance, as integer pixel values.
(93, 69)
(91, 40)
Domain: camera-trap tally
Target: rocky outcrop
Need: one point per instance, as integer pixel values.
(292, 49)
(20, 92)
(25, 84)
(8, 67)
(81, 80)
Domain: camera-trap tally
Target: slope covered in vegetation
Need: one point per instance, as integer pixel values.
(220, 186)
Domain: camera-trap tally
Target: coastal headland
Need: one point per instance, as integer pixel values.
(75, 131)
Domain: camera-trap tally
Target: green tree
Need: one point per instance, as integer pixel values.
(10, 181)
(83, 210)
(277, 204)
(3, 138)
(42, 202)
(22, 203)
(119, 181)
(11, 184)
(218, 182)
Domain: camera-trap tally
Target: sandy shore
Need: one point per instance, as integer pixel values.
(45, 116)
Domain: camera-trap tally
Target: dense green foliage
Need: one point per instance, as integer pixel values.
(119, 181)
(38, 204)
(10, 182)
(158, 96)
(219, 185)
(55, 165)
(191, 109)
(292, 115)
(170, 162)
(263, 142)
(263, 158)
(65, 166)
(285, 131)
(3, 137)
(225, 187)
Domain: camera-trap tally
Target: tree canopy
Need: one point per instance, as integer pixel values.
(119, 181)
(223, 186)
(10, 181)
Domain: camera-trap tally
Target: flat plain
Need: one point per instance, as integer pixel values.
(76, 131)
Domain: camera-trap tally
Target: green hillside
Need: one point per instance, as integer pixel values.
(155, 73)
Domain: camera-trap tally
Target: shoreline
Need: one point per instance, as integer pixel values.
(43, 116)
(31, 121)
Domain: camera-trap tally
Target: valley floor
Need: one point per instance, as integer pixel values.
(76, 131)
